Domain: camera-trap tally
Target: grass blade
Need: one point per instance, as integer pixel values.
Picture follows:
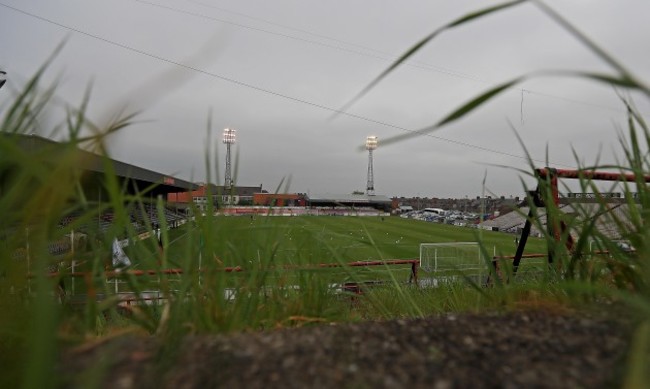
(459, 112)
(415, 48)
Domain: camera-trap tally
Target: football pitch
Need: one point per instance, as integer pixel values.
(277, 246)
(238, 241)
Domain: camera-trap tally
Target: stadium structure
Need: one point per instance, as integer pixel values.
(178, 194)
(253, 199)
(355, 202)
(93, 168)
(232, 199)
(572, 204)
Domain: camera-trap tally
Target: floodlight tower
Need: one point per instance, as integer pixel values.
(228, 139)
(371, 144)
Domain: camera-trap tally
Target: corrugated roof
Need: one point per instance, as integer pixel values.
(96, 163)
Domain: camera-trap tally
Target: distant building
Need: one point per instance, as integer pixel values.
(217, 195)
(488, 204)
(280, 199)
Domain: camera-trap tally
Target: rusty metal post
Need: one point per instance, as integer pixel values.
(557, 227)
(534, 201)
(414, 273)
(552, 226)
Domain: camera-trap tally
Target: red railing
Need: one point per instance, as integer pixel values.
(355, 287)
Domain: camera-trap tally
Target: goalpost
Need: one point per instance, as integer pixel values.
(449, 260)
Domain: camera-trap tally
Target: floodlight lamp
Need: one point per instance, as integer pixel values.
(229, 136)
(371, 143)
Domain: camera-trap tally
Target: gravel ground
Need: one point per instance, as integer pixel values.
(532, 349)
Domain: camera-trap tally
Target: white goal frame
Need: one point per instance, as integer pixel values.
(438, 263)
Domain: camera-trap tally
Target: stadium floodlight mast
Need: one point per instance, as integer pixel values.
(371, 144)
(228, 139)
(3, 78)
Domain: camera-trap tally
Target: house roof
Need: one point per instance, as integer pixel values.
(349, 198)
(235, 190)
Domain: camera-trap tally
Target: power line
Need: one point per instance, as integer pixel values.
(385, 55)
(285, 26)
(277, 94)
(389, 56)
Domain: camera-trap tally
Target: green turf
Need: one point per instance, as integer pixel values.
(242, 241)
(319, 238)
(302, 241)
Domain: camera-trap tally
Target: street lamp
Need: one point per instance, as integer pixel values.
(3, 78)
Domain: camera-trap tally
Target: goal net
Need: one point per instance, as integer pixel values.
(452, 259)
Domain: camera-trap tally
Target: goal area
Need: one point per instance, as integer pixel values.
(457, 258)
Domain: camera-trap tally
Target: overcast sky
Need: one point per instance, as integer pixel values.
(275, 70)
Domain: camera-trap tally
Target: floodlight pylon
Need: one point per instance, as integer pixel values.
(371, 145)
(228, 140)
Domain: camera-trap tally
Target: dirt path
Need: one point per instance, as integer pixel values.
(531, 349)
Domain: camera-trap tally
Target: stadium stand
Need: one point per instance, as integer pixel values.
(514, 221)
(359, 203)
(93, 168)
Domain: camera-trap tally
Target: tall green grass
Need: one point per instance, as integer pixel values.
(40, 187)
(620, 275)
